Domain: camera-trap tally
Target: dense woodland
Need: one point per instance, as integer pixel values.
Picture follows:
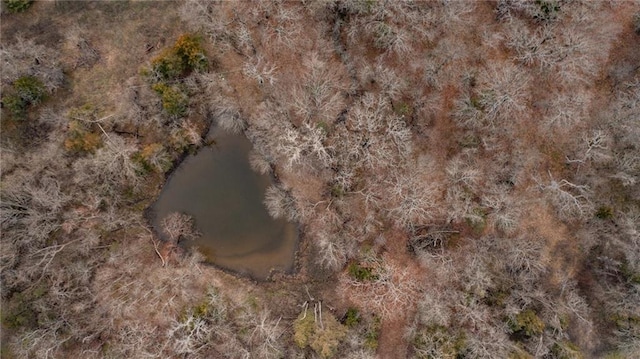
(465, 175)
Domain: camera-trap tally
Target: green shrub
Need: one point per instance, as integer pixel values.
(174, 101)
(80, 139)
(439, 342)
(351, 318)
(190, 51)
(361, 273)
(566, 350)
(15, 6)
(14, 104)
(383, 36)
(337, 191)
(372, 334)
(19, 312)
(604, 212)
(303, 329)
(207, 309)
(153, 157)
(496, 297)
(628, 272)
(322, 338)
(26, 91)
(547, 10)
(324, 127)
(168, 67)
(402, 109)
(469, 141)
(185, 56)
(526, 323)
(615, 355)
(30, 89)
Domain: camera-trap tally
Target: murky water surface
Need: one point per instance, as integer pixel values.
(218, 188)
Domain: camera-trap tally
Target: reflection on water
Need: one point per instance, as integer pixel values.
(218, 188)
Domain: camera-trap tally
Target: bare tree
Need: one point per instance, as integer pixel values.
(185, 134)
(412, 200)
(261, 71)
(178, 226)
(373, 136)
(19, 59)
(265, 336)
(280, 204)
(594, 148)
(505, 210)
(570, 200)
(334, 250)
(30, 208)
(304, 146)
(230, 120)
(205, 16)
(567, 109)
(390, 287)
(111, 164)
(319, 97)
(503, 94)
(259, 162)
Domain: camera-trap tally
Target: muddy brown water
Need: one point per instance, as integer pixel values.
(218, 188)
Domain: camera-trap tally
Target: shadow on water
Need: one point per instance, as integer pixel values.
(220, 191)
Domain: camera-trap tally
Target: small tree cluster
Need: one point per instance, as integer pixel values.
(174, 65)
(321, 331)
(185, 56)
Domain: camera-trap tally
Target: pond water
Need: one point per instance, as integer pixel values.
(218, 188)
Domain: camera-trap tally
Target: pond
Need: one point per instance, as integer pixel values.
(218, 188)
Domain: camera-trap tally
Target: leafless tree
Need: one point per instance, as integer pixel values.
(505, 210)
(178, 226)
(391, 289)
(18, 60)
(280, 204)
(86, 55)
(594, 148)
(286, 30)
(259, 163)
(265, 336)
(570, 200)
(230, 120)
(205, 16)
(464, 179)
(388, 37)
(30, 209)
(412, 201)
(567, 110)
(297, 145)
(373, 137)
(111, 164)
(334, 250)
(319, 97)
(503, 94)
(261, 71)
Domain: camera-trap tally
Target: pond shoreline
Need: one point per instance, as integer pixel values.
(225, 196)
